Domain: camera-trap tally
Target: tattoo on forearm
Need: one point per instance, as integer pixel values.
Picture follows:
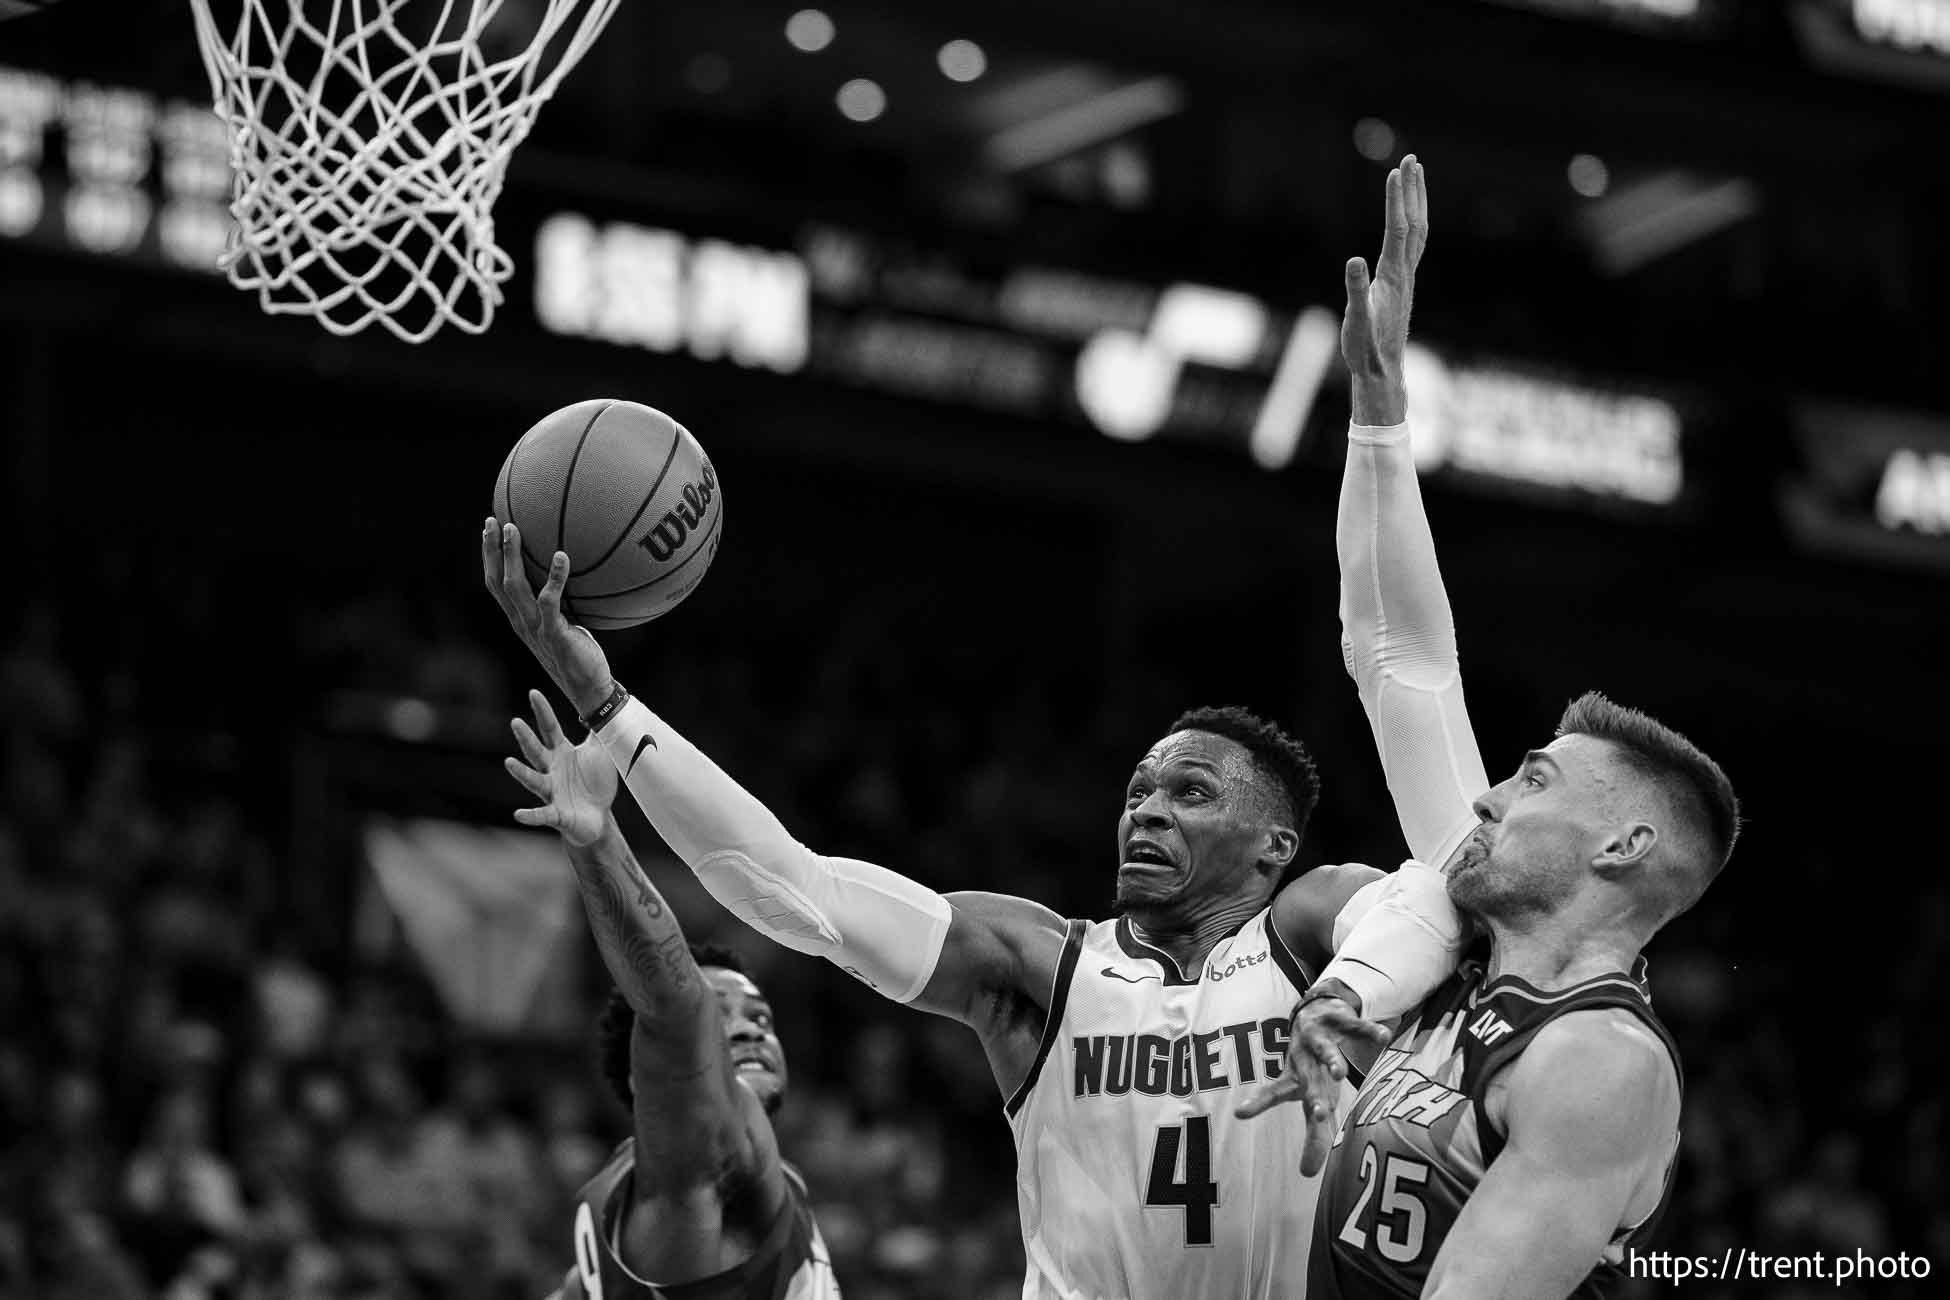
(639, 938)
(646, 897)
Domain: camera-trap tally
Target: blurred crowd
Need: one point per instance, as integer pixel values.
(204, 1093)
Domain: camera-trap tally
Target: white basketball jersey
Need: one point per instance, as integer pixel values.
(1134, 1179)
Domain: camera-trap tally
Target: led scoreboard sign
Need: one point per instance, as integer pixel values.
(126, 175)
(1873, 484)
(1666, 17)
(1885, 40)
(112, 171)
(1134, 362)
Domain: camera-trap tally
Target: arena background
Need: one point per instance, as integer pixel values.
(283, 1018)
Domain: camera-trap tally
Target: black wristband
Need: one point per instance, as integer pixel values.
(1328, 989)
(618, 697)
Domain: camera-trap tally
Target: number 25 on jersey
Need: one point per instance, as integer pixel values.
(1401, 1220)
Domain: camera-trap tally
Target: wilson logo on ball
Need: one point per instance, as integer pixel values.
(682, 519)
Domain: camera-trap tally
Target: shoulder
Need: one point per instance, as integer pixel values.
(1598, 1087)
(1324, 890)
(1303, 913)
(602, 1184)
(1602, 1043)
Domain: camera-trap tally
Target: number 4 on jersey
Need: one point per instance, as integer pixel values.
(1196, 1191)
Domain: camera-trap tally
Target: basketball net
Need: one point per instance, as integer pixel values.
(368, 154)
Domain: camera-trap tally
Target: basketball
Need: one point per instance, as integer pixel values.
(630, 496)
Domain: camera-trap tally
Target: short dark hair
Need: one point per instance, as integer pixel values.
(618, 1022)
(1681, 770)
(1279, 757)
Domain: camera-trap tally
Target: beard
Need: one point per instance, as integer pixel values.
(1463, 875)
(1467, 887)
(1485, 889)
(1474, 851)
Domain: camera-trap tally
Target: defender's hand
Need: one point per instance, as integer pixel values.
(576, 783)
(1374, 332)
(1315, 1067)
(570, 655)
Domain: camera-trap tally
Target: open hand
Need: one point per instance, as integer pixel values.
(570, 655)
(576, 783)
(1374, 332)
(1316, 1064)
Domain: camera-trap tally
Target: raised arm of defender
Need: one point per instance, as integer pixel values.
(1398, 635)
(1399, 937)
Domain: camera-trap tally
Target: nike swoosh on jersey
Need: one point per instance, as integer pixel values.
(1114, 973)
(648, 742)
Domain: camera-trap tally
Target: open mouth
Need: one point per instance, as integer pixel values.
(1142, 853)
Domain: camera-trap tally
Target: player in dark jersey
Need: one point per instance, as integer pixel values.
(1518, 1133)
(698, 1205)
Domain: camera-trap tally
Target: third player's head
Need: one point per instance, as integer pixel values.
(1213, 815)
(757, 1056)
(1619, 815)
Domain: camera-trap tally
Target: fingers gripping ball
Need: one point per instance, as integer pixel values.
(629, 495)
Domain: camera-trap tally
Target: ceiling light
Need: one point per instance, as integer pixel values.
(1374, 139)
(1589, 176)
(962, 60)
(861, 100)
(810, 30)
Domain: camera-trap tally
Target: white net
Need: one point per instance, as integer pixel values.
(370, 140)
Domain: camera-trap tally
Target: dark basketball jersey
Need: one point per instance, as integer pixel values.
(1417, 1140)
(790, 1263)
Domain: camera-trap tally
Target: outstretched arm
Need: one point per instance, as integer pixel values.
(984, 959)
(1398, 635)
(1394, 938)
(699, 1133)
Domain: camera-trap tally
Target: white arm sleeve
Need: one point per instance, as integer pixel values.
(879, 927)
(1396, 940)
(1399, 641)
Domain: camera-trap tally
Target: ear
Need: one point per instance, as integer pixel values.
(1626, 848)
(1281, 844)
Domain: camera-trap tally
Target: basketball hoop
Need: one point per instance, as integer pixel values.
(369, 153)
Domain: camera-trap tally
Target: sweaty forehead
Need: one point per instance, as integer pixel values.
(729, 983)
(1225, 756)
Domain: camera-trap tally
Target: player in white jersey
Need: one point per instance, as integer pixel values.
(1122, 1048)
(1133, 1174)
(698, 1204)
